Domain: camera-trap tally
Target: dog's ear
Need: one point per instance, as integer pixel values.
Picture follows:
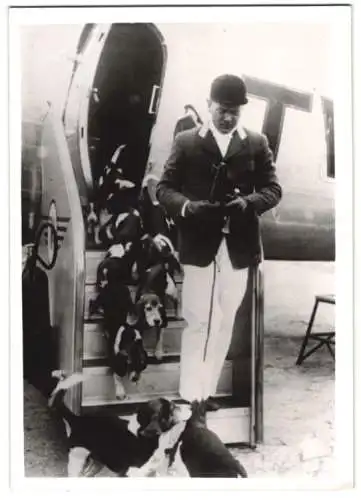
(167, 407)
(167, 414)
(136, 315)
(144, 416)
(149, 417)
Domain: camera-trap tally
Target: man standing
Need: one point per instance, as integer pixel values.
(216, 183)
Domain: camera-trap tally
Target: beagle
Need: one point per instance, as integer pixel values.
(150, 313)
(101, 441)
(127, 357)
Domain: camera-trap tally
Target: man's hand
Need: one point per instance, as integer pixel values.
(238, 203)
(201, 209)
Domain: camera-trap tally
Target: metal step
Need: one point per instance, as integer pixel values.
(91, 293)
(230, 422)
(93, 406)
(95, 346)
(155, 380)
(92, 260)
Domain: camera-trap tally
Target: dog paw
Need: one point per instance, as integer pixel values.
(133, 472)
(158, 354)
(120, 396)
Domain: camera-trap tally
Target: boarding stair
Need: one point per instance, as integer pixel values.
(233, 422)
(81, 344)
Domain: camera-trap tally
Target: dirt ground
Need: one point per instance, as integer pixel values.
(298, 401)
(298, 417)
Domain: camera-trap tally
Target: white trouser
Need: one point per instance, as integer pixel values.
(199, 375)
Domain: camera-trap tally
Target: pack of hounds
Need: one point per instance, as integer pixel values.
(140, 253)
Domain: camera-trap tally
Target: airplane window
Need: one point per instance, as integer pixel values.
(327, 106)
(253, 114)
(279, 98)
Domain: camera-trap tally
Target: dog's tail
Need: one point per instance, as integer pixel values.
(56, 399)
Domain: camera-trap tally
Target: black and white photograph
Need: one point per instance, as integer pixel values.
(178, 170)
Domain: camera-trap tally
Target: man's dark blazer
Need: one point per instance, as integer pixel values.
(190, 173)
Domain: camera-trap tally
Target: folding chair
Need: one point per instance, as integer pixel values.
(322, 338)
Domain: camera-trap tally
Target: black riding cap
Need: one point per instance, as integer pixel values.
(229, 90)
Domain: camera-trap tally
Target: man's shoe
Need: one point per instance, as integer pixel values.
(212, 405)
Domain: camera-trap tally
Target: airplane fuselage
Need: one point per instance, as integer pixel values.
(121, 67)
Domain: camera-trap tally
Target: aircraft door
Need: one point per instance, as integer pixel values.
(113, 98)
(81, 93)
(63, 246)
(123, 110)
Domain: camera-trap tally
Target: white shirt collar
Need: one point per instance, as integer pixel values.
(209, 126)
(217, 133)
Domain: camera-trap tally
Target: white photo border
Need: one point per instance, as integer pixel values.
(344, 239)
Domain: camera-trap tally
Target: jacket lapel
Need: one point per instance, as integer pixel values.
(209, 143)
(237, 145)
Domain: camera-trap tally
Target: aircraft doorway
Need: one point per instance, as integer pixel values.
(125, 94)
